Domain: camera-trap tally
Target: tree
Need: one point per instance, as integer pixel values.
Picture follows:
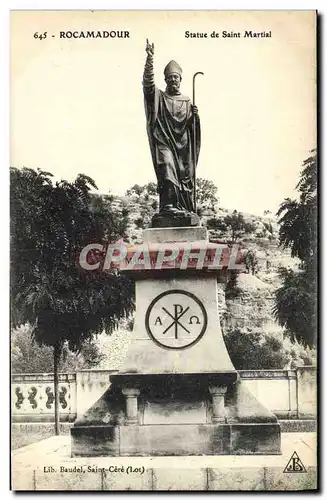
(232, 290)
(115, 222)
(238, 226)
(298, 218)
(255, 350)
(251, 261)
(295, 305)
(139, 223)
(268, 227)
(154, 205)
(217, 224)
(206, 193)
(149, 189)
(50, 224)
(135, 190)
(29, 357)
(298, 231)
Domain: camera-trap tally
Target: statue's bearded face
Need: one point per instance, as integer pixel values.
(173, 81)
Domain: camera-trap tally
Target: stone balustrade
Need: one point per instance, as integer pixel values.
(290, 394)
(32, 397)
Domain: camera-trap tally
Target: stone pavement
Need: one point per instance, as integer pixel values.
(47, 465)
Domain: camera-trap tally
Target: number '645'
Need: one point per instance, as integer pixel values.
(40, 36)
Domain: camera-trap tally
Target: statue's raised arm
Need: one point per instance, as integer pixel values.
(148, 75)
(149, 49)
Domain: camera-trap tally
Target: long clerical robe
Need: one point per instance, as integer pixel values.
(170, 131)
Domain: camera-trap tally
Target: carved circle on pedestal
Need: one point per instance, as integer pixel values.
(176, 319)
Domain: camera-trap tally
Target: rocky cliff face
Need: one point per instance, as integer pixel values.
(252, 305)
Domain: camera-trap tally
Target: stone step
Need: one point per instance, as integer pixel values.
(297, 425)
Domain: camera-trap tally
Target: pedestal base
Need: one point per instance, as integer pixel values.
(165, 220)
(181, 414)
(176, 440)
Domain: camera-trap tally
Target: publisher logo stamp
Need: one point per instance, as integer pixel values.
(295, 465)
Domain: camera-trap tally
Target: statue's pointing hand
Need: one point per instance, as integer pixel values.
(149, 48)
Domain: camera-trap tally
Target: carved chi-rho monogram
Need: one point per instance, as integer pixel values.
(179, 311)
(176, 319)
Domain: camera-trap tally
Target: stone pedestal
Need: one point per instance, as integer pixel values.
(177, 392)
(165, 220)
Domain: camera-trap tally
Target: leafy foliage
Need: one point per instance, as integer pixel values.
(149, 189)
(217, 224)
(106, 218)
(251, 261)
(135, 190)
(268, 227)
(232, 290)
(237, 225)
(50, 225)
(295, 300)
(206, 193)
(298, 218)
(255, 350)
(29, 357)
(139, 223)
(295, 305)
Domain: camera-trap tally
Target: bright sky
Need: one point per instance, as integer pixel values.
(77, 105)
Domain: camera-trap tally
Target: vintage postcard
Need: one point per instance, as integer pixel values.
(163, 207)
